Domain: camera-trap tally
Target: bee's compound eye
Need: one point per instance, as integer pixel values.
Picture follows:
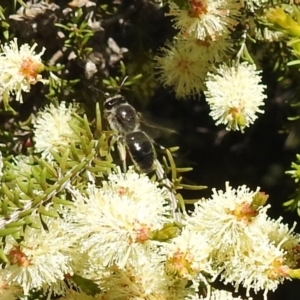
(108, 104)
(112, 102)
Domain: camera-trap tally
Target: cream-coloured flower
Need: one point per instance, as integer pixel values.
(138, 187)
(20, 69)
(144, 281)
(181, 69)
(188, 255)
(212, 50)
(76, 295)
(205, 18)
(235, 94)
(41, 259)
(229, 220)
(261, 269)
(284, 237)
(184, 63)
(147, 281)
(9, 291)
(219, 295)
(248, 249)
(52, 129)
(113, 224)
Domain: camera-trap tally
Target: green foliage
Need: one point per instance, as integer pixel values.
(40, 183)
(78, 34)
(294, 203)
(3, 23)
(87, 286)
(168, 232)
(119, 42)
(286, 19)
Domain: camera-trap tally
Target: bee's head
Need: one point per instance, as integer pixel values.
(114, 101)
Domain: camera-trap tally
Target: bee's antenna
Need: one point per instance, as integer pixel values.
(107, 95)
(103, 93)
(122, 83)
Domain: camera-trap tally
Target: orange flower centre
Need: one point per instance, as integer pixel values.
(18, 257)
(30, 69)
(245, 212)
(179, 265)
(278, 269)
(142, 235)
(183, 66)
(197, 8)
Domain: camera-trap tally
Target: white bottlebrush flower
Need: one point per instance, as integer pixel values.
(52, 130)
(204, 18)
(20, 69)
(75, 295)
(234, 94)
(111, 225)
(229, 220)
(246, 249)
(210, 49)
(9, 291)
(188, 255)
(182, 69)
(261, 269)
(138, 187)
(145, 281)
(219, 295)
(183, 64)
(284, 237)
(41, 259)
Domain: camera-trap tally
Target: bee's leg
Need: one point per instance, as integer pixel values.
(122, 152)
(119, 141)
(111, 142)
(162, 177)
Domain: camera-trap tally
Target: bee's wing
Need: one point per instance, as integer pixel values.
(154, 129)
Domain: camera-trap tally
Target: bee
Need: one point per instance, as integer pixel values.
(123, 118)
(126, 121)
